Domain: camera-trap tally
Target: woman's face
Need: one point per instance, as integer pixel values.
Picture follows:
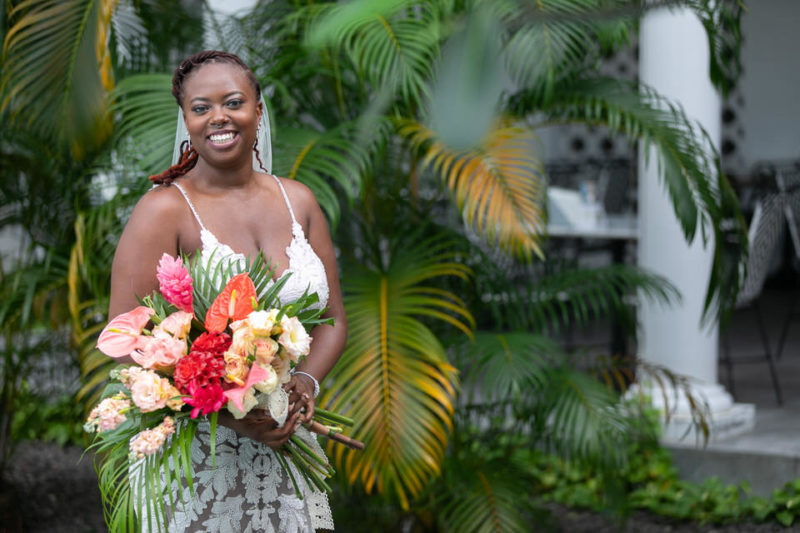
(221, 111)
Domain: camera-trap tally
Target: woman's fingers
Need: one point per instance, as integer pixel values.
(310, 403)
(275, 438)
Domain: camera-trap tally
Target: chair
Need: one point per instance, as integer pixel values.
(764, 237)
(788, 180)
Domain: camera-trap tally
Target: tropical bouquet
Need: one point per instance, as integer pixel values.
(186, 370)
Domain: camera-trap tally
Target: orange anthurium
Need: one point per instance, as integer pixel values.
(235, 302)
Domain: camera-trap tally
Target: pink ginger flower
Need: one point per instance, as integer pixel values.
(175, 283)
(122, 334)
(150, 441)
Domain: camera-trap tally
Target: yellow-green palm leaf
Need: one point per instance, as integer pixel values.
(394, 378)
(56, 70)
(499, 186)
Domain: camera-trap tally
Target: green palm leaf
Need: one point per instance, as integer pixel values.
(88, 280)
(549, 40)
(390, 46)
(567, 295)
(487, 498)
(57, 70)
(499, 186)
(690, 167)
(313, 157)
(573, 412)
(146, 118)
(394, 377)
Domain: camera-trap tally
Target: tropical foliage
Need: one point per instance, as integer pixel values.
(414, 122)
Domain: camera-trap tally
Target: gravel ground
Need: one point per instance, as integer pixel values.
(50, 489)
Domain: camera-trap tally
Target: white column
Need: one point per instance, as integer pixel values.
(674, 60)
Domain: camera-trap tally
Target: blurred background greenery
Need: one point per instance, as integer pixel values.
(414, 124)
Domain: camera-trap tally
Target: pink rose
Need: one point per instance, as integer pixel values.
(122, 334)
(176, 325)
(160, 353)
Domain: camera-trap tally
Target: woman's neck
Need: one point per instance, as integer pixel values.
(215, 178)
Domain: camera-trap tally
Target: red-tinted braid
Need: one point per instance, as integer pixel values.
(185, 163)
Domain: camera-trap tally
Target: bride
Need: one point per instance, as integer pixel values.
(215, 203)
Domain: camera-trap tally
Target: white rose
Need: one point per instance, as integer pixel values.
(248, 402)
(294, 338)
(262, 322)
(269, 384)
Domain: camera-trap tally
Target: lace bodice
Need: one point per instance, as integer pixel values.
(305, 267)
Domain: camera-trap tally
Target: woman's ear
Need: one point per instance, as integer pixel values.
(259, 109)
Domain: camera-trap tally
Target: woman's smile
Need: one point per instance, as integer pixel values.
(223, 139)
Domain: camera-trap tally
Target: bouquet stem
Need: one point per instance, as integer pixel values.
(325, 431)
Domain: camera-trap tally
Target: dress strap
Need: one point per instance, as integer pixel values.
(191, 206)
(286, 198)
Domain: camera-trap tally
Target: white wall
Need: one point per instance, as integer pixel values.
(770, 84)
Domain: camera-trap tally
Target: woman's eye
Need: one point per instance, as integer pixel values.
(199, 108)
(235, 104)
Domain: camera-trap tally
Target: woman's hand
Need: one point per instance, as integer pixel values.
(259, 426)
(301, 397)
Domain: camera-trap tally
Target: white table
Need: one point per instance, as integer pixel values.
(611, 227)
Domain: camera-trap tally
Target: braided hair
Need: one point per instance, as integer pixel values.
(188, 158)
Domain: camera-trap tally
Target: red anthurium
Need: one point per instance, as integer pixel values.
(235, 302)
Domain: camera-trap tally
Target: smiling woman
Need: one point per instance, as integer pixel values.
(214, 203)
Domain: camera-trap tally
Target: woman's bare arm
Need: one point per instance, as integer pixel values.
(328, 341)
(151, 231)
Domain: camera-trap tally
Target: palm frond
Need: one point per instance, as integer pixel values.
(499, 187)
(313, 157)
(491, 497)
(568, 410)
(722, 22)
(689, 167)
(568, 295)
(147, 116)
(551, 40)
(391, 43)
(57, 70)
(96, 233)
(393, 377)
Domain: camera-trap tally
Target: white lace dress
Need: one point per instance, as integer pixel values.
(248, 490)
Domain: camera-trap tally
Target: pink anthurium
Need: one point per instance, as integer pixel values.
(122, 334)
(236, 395)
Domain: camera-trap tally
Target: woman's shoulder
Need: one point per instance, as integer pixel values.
(300, 196)
(160, 204)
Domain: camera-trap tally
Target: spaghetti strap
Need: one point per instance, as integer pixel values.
(191, 206)
(286, 198)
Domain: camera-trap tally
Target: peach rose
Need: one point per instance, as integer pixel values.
(265, 349)
(236, 368)
(150, 392)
